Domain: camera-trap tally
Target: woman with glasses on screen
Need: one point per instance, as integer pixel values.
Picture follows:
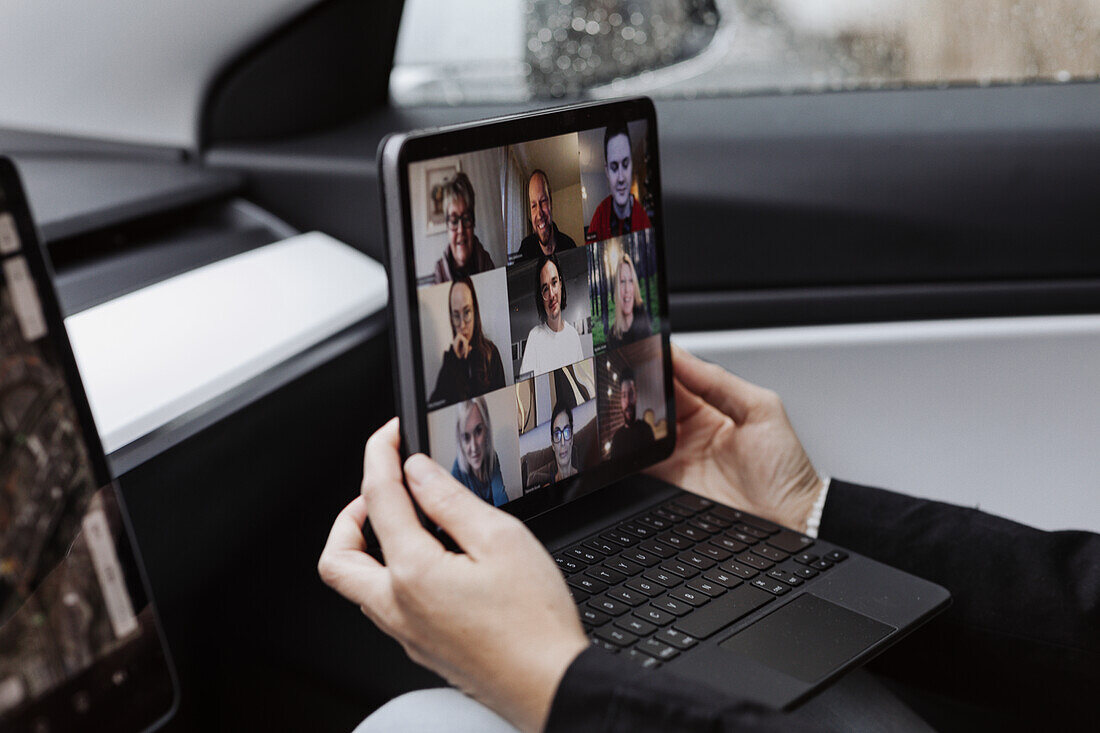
(471, 364)
(561, 440)
(477, 466)
(464, 254)
(631, 319)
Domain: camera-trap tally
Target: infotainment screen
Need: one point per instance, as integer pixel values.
(80, 646)
(535, 300)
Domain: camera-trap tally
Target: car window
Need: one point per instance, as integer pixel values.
(505, 51)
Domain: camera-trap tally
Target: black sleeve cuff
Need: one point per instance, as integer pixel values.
(606, 692)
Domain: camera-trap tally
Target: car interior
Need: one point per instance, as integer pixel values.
(912, 266)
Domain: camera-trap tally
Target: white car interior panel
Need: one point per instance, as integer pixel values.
(159, 56)
(999, 413)
(152, 355)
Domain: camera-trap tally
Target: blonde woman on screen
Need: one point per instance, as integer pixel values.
(631, 319)
(477, 466)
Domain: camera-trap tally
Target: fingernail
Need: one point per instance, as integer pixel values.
(419, 467)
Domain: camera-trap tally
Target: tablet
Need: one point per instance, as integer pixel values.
(528, 300)
(80, 644)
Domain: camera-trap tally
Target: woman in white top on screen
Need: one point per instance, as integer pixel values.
(553, 343)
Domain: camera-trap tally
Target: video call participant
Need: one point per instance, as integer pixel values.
(472, 364)
(631, 319)
(546, 239)
(620, 213)
(554, 342)
(477, 466)
(464, 254)
(561, 440)
(634, 435)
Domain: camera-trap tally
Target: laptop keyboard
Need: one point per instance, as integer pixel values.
(653, 586)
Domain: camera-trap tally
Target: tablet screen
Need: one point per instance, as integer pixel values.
(540, 306)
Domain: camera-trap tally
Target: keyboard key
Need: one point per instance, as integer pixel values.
(658, 549)
(821, 565)
(611, 577)
(608, 606)
(717, 521)
(692, 503)
(762, 524)
(676, 541)
(619, 538)
(592, 617)
(585, 555)
(702, 562)
(805, 558)
(627, 596)
(567, 565)
(710, 587)
(772, 586)
(668, 604)
(606, 646)
(722, 578)
(746, 539)
(588, 585)
(754, 561)
(638, 530)
(789, 541)
(648, 559)
(654, 522)
(626, 567)
(717, 554)
(705, 526)
(579, 596)
(642, 658)
(738, 569)
(645, 586)
(689, 596)
(658, 649)
(785, 577)
(803, 572)
(635, 625)
(615, 636)
(771, 553)
(738, 517)
(677, 510)
(667, 515)
(679, 568)
(723, 611)
(752, 531)
(726, 513)
(692, 533)
(663, 577)
(675, 638)
(654, 615)
(602, 546)
(728, 543)
(836, 556)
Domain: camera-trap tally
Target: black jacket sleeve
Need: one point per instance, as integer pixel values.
(1023, 631)
(605, 692)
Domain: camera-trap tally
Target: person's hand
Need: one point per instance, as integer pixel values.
(734, 444)
(461, 346)
(496, 622)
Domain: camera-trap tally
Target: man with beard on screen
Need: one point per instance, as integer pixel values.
(546, 239)
(634, 435)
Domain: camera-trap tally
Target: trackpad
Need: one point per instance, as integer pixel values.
(808, 638)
